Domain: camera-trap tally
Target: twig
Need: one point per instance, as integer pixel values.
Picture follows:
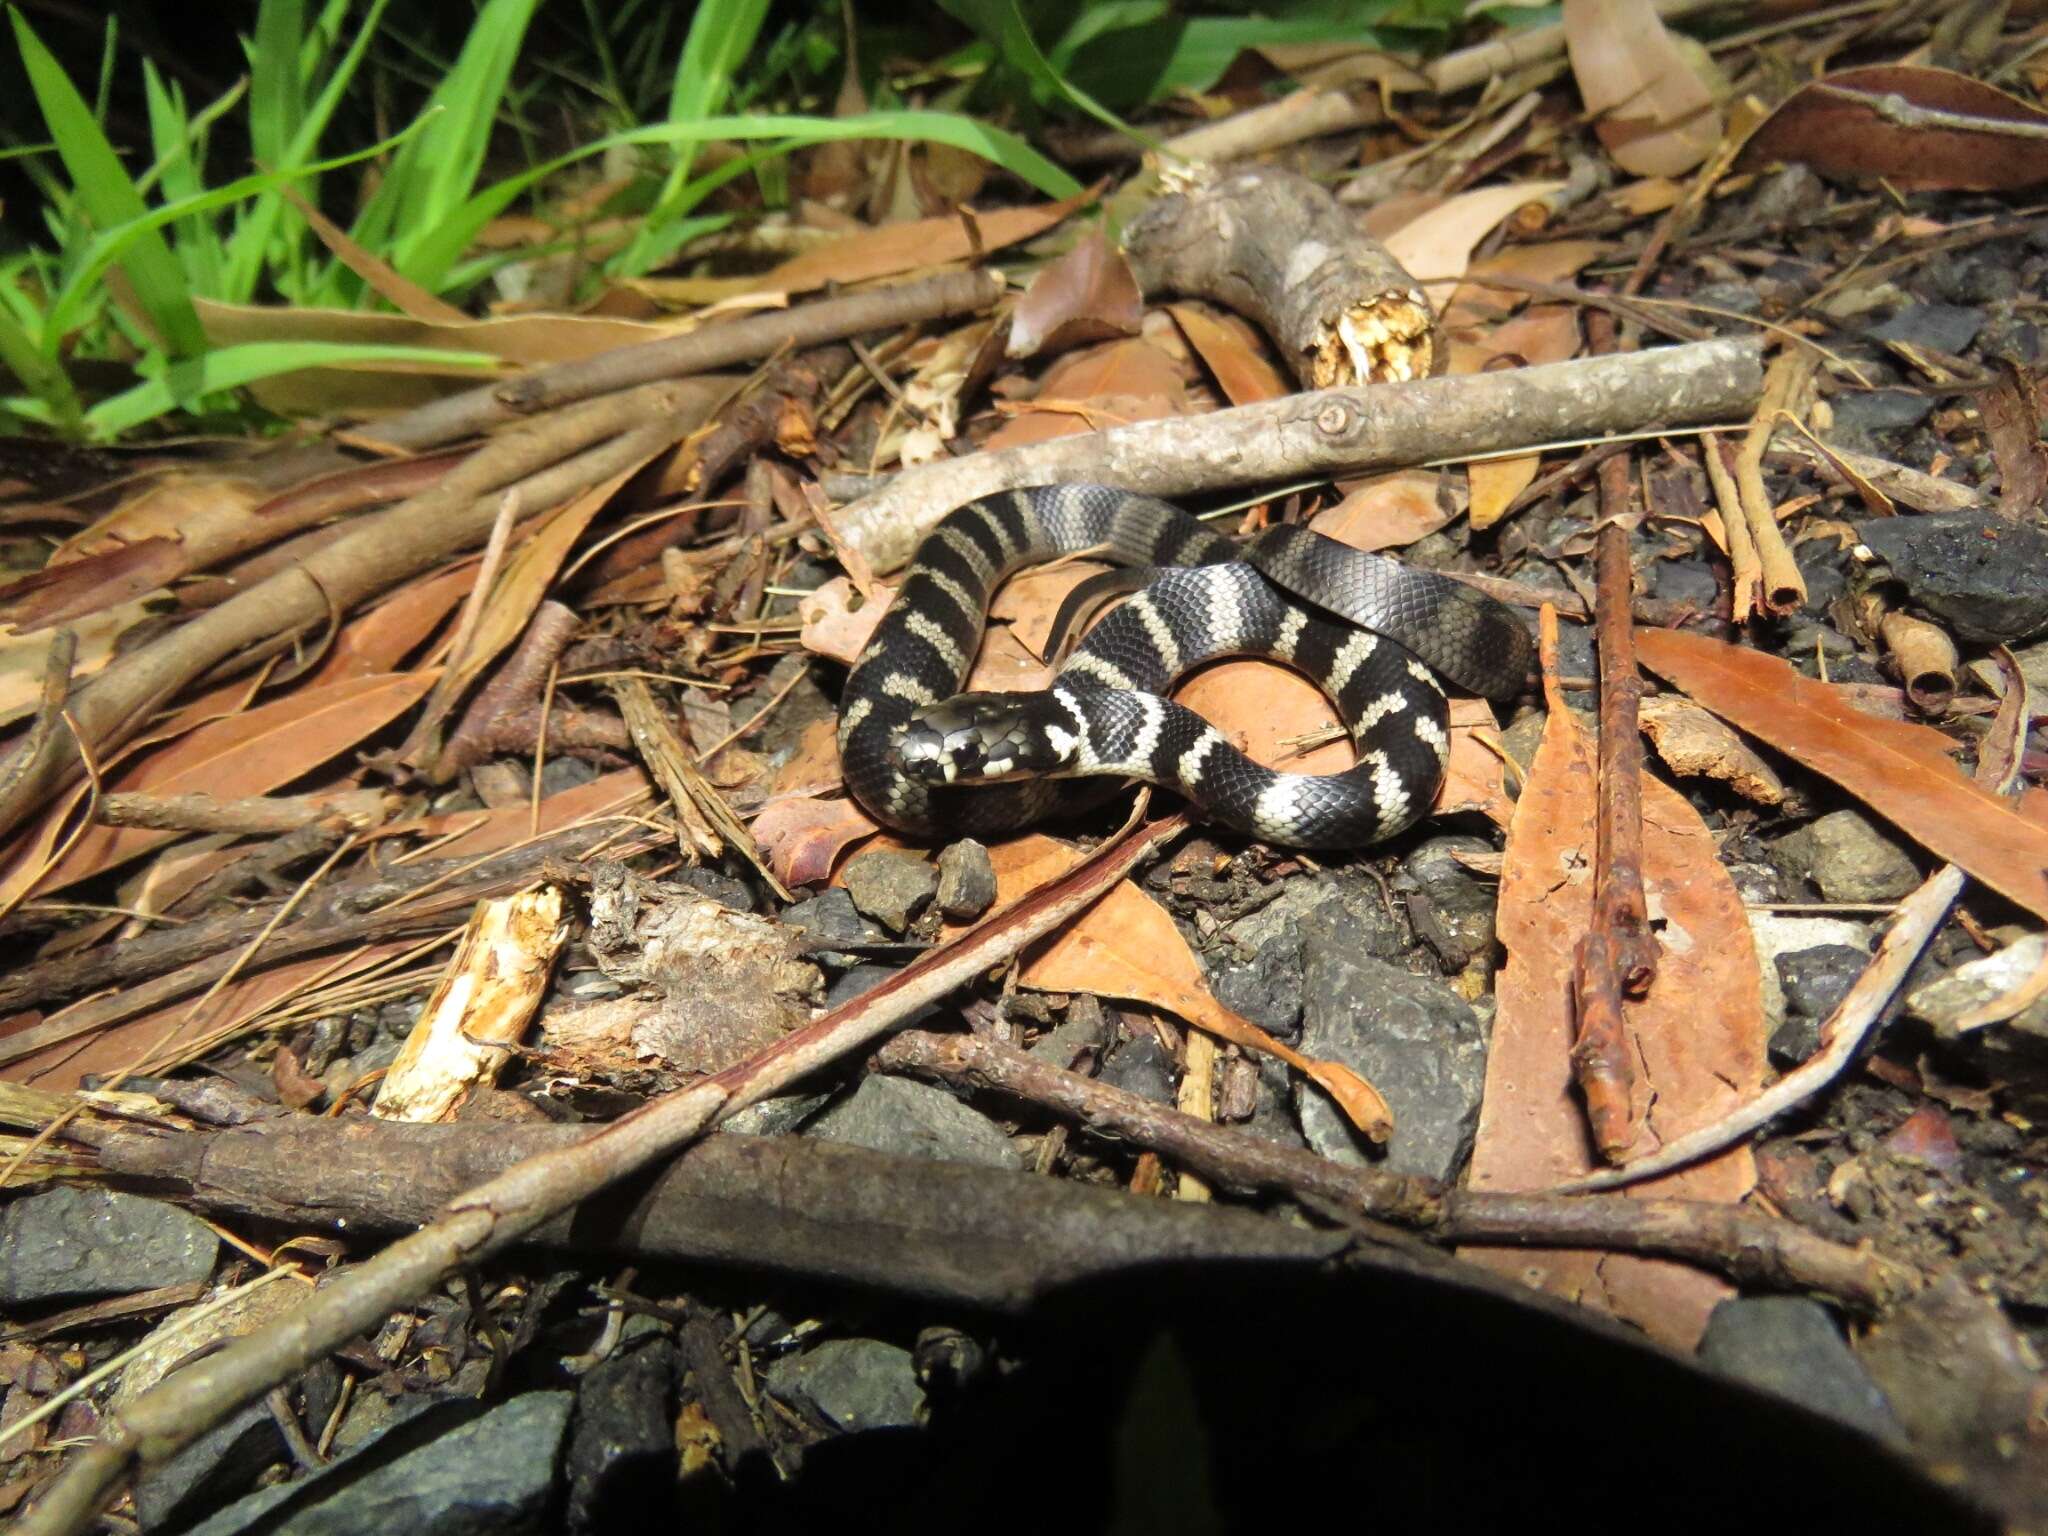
(1842, 1034)
(488, 1218)
(699, 351)
(1617, 957)
(359, 809)
(514, 686)
(1329, 431)
(1528, 45)
(1753, 1248)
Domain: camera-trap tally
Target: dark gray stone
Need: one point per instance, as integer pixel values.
(854, 1384)
(1413, 1038)
(890, 886)
(1824, 567)
(851, 984)
(967, 881)
(1987, 577)
(1086, 1028)
(98, 1242)
(1947, 328)
(491, 1472)
(1864, 418)
(1851, 860)
(1795, 1040)
(831, 916)
(622, 1449)
(1457, 912)
(1790, 1346)
(220, 1465)
(896, 1115)
(1816, 979)
(1141, 1066)
(1256, 963)
(726, 890)
(1685, 581)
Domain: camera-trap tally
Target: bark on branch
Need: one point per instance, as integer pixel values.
(1334, 431)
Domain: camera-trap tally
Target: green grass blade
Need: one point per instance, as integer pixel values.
(429, 179)
(276, 100)
(105, 250)
(448, 242)
(109, 198)
(184, 383)
(42, 377)
(197, 242)
(249, 248)
(1002, 23)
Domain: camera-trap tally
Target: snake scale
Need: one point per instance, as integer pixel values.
(1374, 635)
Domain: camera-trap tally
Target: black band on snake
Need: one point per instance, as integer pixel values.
(921, 757)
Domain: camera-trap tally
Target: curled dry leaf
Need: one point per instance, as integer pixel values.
(1548, 333)
(1105, 386)
(802, 837)
(1910, 124)
(1232, 352)
(1126, 946)
(1655, 112)
(1086, 295)
(1389, 511)
(1437, 246)
(1901, 771)
(1699, 1035)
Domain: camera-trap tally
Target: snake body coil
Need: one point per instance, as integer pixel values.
(924, 758)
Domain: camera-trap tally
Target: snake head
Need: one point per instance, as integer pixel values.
(980, 738)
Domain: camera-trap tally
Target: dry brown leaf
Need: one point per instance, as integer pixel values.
(1548, 333)
(1699, 1034)
(1118, 382)
(1086, 295)
(1653, 194)
(1914, 126)
(250, 753)
(1126, 946)
(2012, 420)
(1232, 352)
(1437, 246)
(1475, 778)
(894, 249)
(379, 639)
(1552, 261)
(1388, 511)
(23, 658)
(1899, 770)
(1261, 707)
(814, 767)
(1654, 112)
(1694, 744)
(802, 837)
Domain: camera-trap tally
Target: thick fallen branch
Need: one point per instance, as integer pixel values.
(700, 351)
(602, 438)
(947, 1232)
(493, 1215)
(1333, 431)
(1757, 1249)
(1280, 250)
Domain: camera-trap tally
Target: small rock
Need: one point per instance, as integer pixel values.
(1413, 1038)
(622, 1449)
(889, 886)
(1824, 567)
(967, 881)
(1987, 577)
(1866, 417)
(1778, 933)
(851, 984)
(1947, 328)
(1790, 1346)
(1851, 860)
(896, 1115)
(1686, 581)
(1740, 297)
(1945, 1002)
(220, 1465)
(778, 1116)
(1795, 1040)
(1521, 739)
(828, 916)
(493, 1471)
(1085, 1029)
(1141, 1066)
(854, 1384)
(98, 1242)
(1815, 980)
(726, 890)
(1461, 909)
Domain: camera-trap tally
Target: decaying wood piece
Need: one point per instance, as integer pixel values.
(1925, 659)
(1281, 251)
(489, 1217)
(479, 1009)
(1332, 431)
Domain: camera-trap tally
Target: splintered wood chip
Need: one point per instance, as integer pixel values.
(1694, 743)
